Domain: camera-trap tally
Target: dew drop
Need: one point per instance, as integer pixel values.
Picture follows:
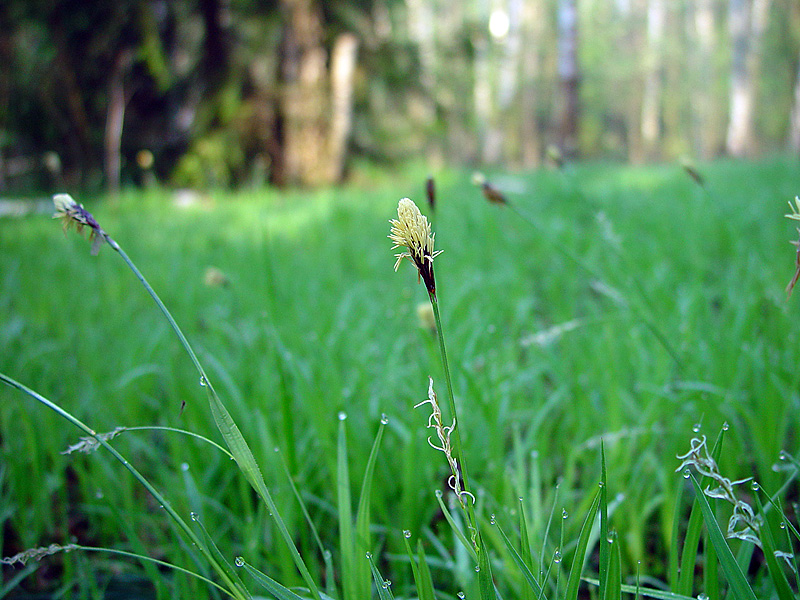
(194, 516)
(696, 427)
(601, 484)
(687, 473)
(783, 455)
(386, 584)
(384, 419)
(369, 555)
(702, 597)
(99, 494)
(438, 493)
(477, 568)
(783, 525)
(754, 486)
(342, 415)
(564, 513)
(461, 595)
(725, 426)
(492, 519)
(557, 556)
(238, 561)
(327, 554)
(406, 533)
(203, 382)
(184, 467)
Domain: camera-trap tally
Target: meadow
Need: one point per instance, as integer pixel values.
(625, 307)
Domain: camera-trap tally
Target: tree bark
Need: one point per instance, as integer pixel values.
(794, 117)
(343, 64)
(304, 95)
(706, 123)
(569, 76)
(653, 84)
(747, 24)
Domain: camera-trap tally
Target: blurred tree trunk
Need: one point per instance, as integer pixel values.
(653, 83)
(634, 45)
(531, 146)
(748, 20)
(314, 109)
(705, 117)
(794, 117)
(343, 65)
(569, 76)
(115, 118)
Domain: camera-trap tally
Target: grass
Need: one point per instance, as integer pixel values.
(687, 325)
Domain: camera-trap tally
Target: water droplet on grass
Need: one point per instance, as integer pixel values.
(342, 415)
(239, 561)
(406, 533)
(384, 419)
(194, 516)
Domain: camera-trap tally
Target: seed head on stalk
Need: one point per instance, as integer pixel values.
(74, 215)
(412, 231)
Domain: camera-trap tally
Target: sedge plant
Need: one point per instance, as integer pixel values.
(412, 231)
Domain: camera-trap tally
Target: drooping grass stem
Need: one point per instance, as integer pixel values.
(232, 587)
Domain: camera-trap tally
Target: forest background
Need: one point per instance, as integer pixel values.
(226, 93)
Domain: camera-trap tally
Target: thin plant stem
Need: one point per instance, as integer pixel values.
(470, 510)
(204, 378)
(233, 588)
(225, 424)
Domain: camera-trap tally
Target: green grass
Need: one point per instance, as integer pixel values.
(689, 325)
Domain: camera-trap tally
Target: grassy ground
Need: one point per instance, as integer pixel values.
(628, 305)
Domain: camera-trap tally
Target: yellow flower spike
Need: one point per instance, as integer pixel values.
(412, 230)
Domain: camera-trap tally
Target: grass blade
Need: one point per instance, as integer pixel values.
(347, 540)
(523, 567)
(574, 579)
(485, 580)
(384, 586)
(456, 529)
(363, 513)
(776, 573)
(614, 585)
(273, 587)
(604, 549)
(739, 587)
(419, 567)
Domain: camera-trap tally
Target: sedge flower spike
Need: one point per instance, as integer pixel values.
(74, 215)
(412, 230)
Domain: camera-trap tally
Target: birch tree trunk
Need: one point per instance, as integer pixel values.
(747, 24)
(653, 83)
(705, 121)
(794, 117)
(343, 65)
(569, 76)
(531, 145)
